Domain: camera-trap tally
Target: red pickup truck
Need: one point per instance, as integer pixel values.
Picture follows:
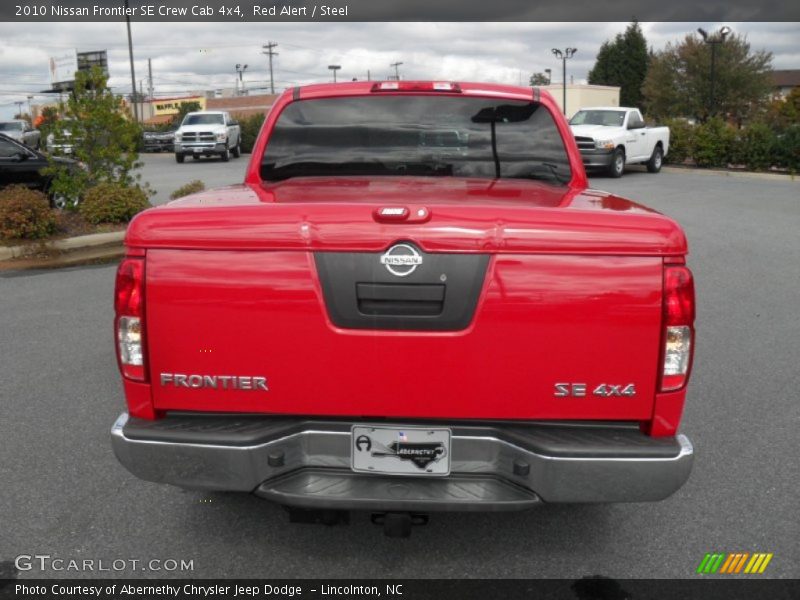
(413, 303)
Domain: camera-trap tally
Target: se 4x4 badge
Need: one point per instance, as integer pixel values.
(604, 390)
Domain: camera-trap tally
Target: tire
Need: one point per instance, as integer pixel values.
(226, 156)
(656, 160)
(617, 166)
(62, 202)
(237, 150)
(179, 157)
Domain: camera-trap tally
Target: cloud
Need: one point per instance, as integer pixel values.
(193, 56)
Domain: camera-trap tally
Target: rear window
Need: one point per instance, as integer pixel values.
(416, 135)
(11, 127)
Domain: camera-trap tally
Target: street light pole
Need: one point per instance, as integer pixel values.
(396, 66)
(240, 69)
(334, 68)
(713, 40)
(563, 56)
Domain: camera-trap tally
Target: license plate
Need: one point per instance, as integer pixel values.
(197, 150)
(400, 450)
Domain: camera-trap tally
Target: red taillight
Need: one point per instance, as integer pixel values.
(678, 327)
(129, 287)
(678, 296)
(416, 86)
(129, 322)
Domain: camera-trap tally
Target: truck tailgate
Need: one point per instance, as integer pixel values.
(217, 319)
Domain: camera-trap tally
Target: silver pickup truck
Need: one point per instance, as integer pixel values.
(611, 137)
(208, 133)
(22, 132)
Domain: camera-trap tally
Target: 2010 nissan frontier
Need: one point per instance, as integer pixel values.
(413, 303)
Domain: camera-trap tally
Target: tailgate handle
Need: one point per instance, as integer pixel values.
(408, 300)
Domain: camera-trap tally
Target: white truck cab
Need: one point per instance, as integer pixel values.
(609, 137)
(208, 133)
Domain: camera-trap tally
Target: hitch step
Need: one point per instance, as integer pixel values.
(398, 524)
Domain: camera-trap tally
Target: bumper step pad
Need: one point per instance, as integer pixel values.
(345, 490)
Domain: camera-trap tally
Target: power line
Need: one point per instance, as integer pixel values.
(268, 51)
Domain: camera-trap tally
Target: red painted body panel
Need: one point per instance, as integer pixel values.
(541, 320)
(466, 215)
(573, 294)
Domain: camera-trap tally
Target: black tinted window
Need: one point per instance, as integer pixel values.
(203, 120)
(8, 149)
(416, 135)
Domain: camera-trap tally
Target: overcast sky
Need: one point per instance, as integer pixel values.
(192, 56)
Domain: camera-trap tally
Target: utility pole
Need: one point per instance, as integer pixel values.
(19, 104)
(396, 66)
(268, 51)
(150, 79)
(141, 99)
(368, 76)
(130, 55)
(563, 56)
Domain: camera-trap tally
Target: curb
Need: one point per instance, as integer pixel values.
(726, 173)
(66, 245)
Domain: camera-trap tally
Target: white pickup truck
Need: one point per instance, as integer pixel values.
(611, 137)
(208, 133)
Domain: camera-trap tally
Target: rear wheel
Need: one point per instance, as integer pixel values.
(617, 166)
(656, 160)
(179, 157)
(237, 150)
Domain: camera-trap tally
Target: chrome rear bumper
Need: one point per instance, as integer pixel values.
(494, 466)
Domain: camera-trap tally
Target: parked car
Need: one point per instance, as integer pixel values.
(22, 165)
(21, 131)
(208, 133)
(159, 141)
(412, 304)
(611, 137)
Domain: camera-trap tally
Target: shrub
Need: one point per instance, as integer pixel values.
(112, 203)
(756, 147)
(681, 140)
(787, 148)
(25, 214)
(190, 188)
(250, 127)
(713, 143)
(103, 136)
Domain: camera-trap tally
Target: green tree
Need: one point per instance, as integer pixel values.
(539, 79)
(784, 112)
(623, 62)
(103, 137)
(678, 82)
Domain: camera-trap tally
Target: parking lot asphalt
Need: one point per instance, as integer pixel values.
(65, 495)
(165, 175)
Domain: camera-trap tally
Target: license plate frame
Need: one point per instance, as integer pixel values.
(399, 450)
